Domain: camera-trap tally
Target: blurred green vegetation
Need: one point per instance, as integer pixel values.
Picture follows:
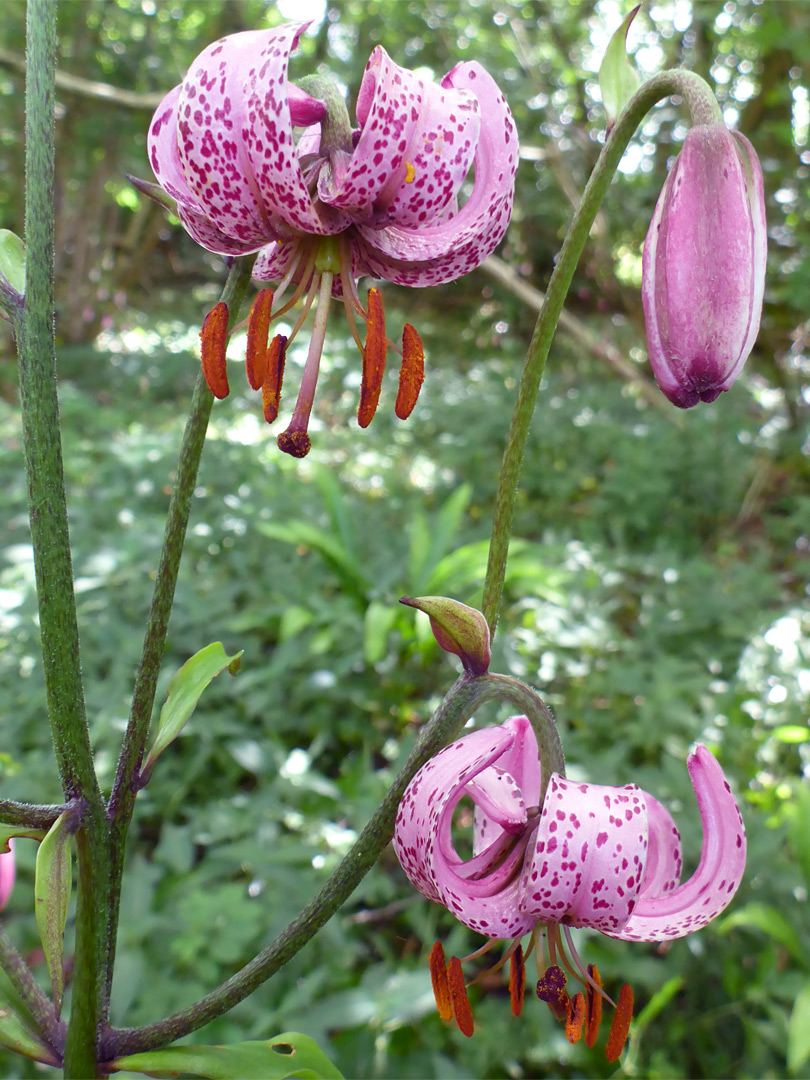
(657, 592)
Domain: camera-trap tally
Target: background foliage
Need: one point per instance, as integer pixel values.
(657, 592)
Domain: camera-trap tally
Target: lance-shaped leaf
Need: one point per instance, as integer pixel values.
(618, 79)
(52, 895)
(287, 1055)
(17, 1036)
(184, 693)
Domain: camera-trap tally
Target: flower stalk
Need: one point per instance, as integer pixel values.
(704, 109)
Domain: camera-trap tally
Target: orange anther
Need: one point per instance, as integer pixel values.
(213, 343)
(593, 1010)
(575, 1018)
(273, 374)
(458, 995)
(412, 372)
(441, 986)
(373, 359)
(517, 981)
(620, 1027)
(257, 331)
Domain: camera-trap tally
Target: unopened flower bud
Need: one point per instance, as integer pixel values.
(457, 628)
(704, 266)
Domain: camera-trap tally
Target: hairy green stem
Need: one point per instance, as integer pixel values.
(40, 1009)
(29, 815)
(466, 695)
(51, 543)
(125, 786)
(704, 109)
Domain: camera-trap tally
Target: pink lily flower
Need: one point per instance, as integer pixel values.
(703, 273)
(337, 204)
(608, 858)
(7, 873)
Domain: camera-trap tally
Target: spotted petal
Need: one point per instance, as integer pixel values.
(722, 863)
(423, 839)
(439, 251)
(588, 857)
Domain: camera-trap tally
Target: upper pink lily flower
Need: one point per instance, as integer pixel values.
(703, 274)
(7, 873)
(608, 858)
(333, 203)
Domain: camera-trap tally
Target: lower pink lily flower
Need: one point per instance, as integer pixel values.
(608, 858)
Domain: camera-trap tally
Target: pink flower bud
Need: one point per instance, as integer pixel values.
(704, 266)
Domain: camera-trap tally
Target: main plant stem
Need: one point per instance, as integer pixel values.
(704, 109)
(51, 544)
(125, 788)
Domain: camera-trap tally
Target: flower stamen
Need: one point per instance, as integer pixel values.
(257, 332)
(213, 344)
(439, 981)
(411, 374)
(593, 1006)
(620, 1027)
(458, 995)
(517, 981)
(575, 1018)
(274, 372)
(374, 352)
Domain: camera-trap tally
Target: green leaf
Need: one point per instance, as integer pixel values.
(791, 733)
(7, 831)
(12, 260)
(340, 558)
(618, 79)
(799, 829)
(52, 896)
(287, 1055)
(184, 693)
(798, 1040)
(379, 621)
(17, 1036)
(771, 922)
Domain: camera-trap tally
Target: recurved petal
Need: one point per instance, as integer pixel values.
(521, 764)
(719, 873)
(446, 249)
(437, 784)
(269, 137)
(164, 157)
(388, 108)
(662, 871)
(217, 124)
(588, 857)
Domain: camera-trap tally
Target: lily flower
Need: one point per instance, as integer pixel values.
(703, 272)
(336, 203)
(585, 855)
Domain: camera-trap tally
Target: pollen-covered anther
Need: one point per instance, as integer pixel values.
(373, 359)
(517, 981)
(412, 372)
(551, 989)
(273, 374)
(440, 983)
(575, 1018)
(213, 343)
(257, 332)
(593, 1007)
(458, 995)
(620, 1027)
